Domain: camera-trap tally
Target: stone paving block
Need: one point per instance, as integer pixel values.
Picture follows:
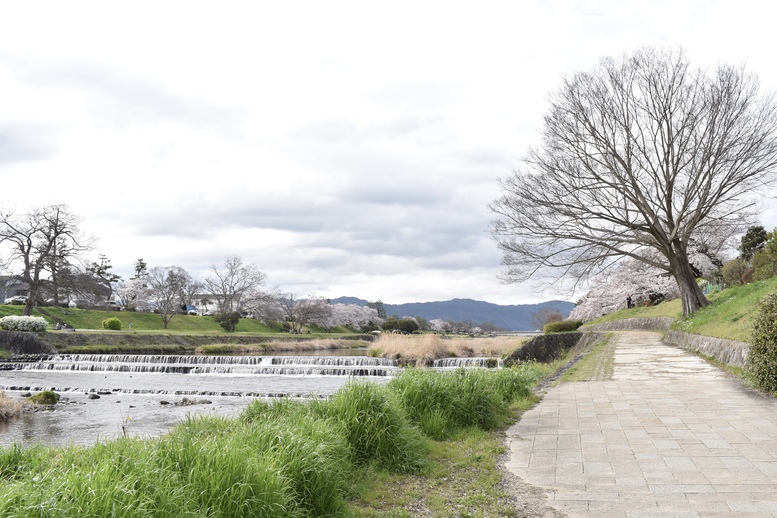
(668, 436)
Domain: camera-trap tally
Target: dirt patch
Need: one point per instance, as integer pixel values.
(527, 500)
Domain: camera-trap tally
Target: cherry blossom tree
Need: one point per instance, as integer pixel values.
(631, 278)
(301, 312)
(133, 293)
(354, 316)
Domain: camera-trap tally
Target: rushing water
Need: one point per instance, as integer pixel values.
(104, 396)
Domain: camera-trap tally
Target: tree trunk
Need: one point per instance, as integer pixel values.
(690, 292)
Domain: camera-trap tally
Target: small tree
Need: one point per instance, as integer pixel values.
(734, 271)
(544, 316)
(227, 321)
(752, 241)
(103, 275)
(300, 312)
(761, 363)
(405, 325)
(165, 285)
(141, 269)
(235, 284)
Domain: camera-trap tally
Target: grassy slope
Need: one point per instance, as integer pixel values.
(85, 319)
(728, 316)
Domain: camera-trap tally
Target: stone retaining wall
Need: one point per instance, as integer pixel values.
(725, 351)
(632, 324)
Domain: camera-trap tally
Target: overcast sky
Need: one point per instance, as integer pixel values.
(345, 148)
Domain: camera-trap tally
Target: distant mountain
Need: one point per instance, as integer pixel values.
(515, 318)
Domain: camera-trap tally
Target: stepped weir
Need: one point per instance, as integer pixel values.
(147, 394)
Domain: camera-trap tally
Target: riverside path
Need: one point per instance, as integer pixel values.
(668, 436)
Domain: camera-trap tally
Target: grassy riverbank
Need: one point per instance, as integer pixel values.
(142, 322)
(323, 458)
(729, 315)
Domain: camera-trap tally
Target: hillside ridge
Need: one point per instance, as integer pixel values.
(516, 317)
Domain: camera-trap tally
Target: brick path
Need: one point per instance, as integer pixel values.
(668, 436)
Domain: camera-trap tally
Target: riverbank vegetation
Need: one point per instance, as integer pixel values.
(9, 407)
(322, 458)
(423, 349)
(730, 314)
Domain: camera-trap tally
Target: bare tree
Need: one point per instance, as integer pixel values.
(166, 284)
(39, 242)
(545, 315)
(642, 153)
(233, 284)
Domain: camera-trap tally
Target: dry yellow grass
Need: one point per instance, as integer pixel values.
(427, 347)
(9, 407)
(280, 345)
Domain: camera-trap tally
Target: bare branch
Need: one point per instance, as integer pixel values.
(642, 154)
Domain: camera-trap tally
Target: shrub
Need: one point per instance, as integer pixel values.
(227, 321)
(404, 325)
(761, 363)
(23, 323)
(113, 324)
(562, 326)
(47, 397)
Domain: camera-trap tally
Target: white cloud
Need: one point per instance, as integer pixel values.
(345, 148)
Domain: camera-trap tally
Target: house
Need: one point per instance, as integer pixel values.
(206, 303)
(12, 287)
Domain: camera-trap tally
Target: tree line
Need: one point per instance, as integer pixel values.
(45, 249)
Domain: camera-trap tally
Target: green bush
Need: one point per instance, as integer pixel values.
(405, 325)
(227, 321)
(113, 324)
(761, 363)
(562, 326)
(47, 397)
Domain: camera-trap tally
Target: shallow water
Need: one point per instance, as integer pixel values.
(132, 392)
(146, 395)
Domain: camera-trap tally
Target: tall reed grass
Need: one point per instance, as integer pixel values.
(442, 403)
(9, 407)
(425, 348)
(281, 459)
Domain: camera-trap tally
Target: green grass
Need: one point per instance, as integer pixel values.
(671, 309)
(729, 315)
(91, 319)
(597, 365)
(731, 312)
(460, 478)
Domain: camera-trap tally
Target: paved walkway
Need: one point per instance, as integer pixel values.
(668, 436)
